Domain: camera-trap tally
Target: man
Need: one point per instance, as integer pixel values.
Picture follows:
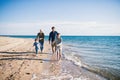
(52, 37)
(40, 36)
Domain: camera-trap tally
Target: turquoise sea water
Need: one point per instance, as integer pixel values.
(98, 54)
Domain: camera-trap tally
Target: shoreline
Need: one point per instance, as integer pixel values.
(17, 61)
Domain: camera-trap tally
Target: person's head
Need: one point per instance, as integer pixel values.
(36, 39)
(58, 35)
(41, 31)
(53, 28)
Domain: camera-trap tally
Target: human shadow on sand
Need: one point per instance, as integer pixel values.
(27, 52)
(46, 60)
(19, 56)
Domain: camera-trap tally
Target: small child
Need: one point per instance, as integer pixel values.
(36, 44)
(58, 43)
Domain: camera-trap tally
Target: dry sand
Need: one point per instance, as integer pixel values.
(18, 60)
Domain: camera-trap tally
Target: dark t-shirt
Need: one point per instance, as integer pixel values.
(52, 36)
(40, 35)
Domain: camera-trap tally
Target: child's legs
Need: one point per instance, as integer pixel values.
(58, 50)
(57, 54)
(60, 53)
(36, 49)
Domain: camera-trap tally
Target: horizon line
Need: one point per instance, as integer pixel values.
(61, 35)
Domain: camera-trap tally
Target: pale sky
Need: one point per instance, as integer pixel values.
(70, 17)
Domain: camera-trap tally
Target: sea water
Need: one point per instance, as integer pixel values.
(97, 54)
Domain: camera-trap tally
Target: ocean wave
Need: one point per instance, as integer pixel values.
(105, 72)
(73, 58)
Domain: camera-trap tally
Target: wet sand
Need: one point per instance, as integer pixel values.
(19, 62)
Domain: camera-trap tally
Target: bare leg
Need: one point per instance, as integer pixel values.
(57, 55)
(53, 50)
(60, 54)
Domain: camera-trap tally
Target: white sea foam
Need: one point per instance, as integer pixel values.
(73, 58)
(66, 77)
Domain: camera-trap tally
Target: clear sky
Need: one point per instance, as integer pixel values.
(70, 17)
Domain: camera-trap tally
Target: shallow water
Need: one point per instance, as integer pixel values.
(100, 55)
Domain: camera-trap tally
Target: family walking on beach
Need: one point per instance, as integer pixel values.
(54, 39)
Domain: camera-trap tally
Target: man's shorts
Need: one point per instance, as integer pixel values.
(53, 44)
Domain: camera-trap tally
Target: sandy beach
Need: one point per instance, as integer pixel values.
(18, 62)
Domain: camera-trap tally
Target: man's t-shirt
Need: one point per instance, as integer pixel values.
(52, 36)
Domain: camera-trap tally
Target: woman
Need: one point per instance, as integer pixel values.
(40, 36)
